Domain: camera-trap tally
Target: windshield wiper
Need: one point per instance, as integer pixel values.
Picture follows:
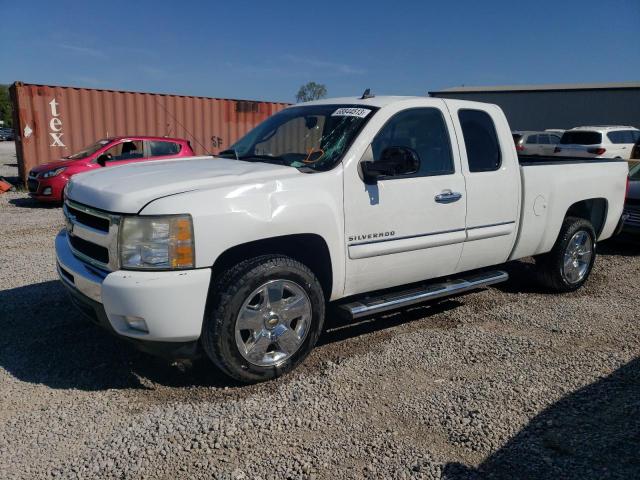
(230, 151)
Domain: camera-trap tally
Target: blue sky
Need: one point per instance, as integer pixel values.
(266, 49)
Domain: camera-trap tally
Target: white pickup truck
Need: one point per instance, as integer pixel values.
(370, 204)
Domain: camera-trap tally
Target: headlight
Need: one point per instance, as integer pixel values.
(53, 173)
(162, 243)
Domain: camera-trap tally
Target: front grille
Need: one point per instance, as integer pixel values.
(634, 217)
(33, 185)
(93, 235)
(91, 250)
(99, 223)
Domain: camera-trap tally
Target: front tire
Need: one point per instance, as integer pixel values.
(569, 263)
(265, 317)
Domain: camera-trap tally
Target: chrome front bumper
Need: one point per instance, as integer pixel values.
(171, 303)
(75, 273)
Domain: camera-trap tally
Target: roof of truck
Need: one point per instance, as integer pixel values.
(376, 101)
(381, 101)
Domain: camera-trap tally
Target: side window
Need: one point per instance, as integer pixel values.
(628, 136)
(623, 136)
(554, 139)
(543, 139)
(424, 131)
(616, 137)
(162, 149)
(129, 150)
(532, 140)
(480, 140)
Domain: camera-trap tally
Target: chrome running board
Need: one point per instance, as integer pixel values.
(385, 302)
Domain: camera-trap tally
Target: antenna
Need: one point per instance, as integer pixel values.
(367, 94)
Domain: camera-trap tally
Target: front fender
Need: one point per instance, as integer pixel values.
(228, 216)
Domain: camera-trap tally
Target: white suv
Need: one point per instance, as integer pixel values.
(598, 142)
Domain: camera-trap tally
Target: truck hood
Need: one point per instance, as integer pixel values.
(128, 188)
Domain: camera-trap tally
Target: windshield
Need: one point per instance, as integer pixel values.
(309, 137)
(634, 173)
(90, 150)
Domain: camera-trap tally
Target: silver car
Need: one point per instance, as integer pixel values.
(535, 143)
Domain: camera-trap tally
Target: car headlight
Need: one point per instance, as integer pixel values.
(162, 243)
(53, 173)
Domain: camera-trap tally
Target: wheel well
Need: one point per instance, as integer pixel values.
(594, 210)
(307, 248)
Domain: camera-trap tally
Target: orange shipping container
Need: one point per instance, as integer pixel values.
(52, 122)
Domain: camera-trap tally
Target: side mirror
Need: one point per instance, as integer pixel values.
(393, 161)
(103, 159)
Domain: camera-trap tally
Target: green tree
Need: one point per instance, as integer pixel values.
(5, 106)
(311, 91)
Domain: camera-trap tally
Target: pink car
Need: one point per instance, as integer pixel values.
(46, 182)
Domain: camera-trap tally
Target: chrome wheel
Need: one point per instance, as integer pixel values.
(273, 323)
(577, 257)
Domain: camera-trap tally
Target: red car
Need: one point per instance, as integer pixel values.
(46, 182)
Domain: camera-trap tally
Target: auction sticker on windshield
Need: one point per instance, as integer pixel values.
(351, 112)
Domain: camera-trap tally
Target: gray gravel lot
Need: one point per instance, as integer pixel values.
(508, 382)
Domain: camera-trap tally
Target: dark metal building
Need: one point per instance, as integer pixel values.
(563, 106)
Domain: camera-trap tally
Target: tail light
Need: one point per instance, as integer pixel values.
(557, 150)
(520, 148)
(597, 151)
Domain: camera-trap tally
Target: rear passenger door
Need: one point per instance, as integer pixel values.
(492, 176)
(531, 145)
(544, 144)
(622, 142)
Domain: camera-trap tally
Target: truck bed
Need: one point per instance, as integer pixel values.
(552, 185)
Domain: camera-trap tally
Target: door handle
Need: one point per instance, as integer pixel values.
(447, 196)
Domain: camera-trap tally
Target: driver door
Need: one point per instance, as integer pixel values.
(407, 228)
(124, 152)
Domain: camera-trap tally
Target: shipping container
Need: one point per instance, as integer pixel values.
(52, 122)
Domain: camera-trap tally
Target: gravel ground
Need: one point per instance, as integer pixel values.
(508, 382)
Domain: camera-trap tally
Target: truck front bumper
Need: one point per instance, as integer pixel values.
(160, 312)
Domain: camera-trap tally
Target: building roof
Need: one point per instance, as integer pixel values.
(547, 87)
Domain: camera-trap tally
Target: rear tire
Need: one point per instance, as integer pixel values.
(264, 318)
(569, 263)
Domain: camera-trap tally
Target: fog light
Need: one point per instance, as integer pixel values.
(46, 191)
(136, 323)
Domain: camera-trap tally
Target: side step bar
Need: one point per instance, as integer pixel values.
(385, 302)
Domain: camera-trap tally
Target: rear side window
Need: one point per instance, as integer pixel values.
(480, 140)
(543, 139)
(161, 149)
(532, 140)
(424, 131)
(581, 138)
(621, 136)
